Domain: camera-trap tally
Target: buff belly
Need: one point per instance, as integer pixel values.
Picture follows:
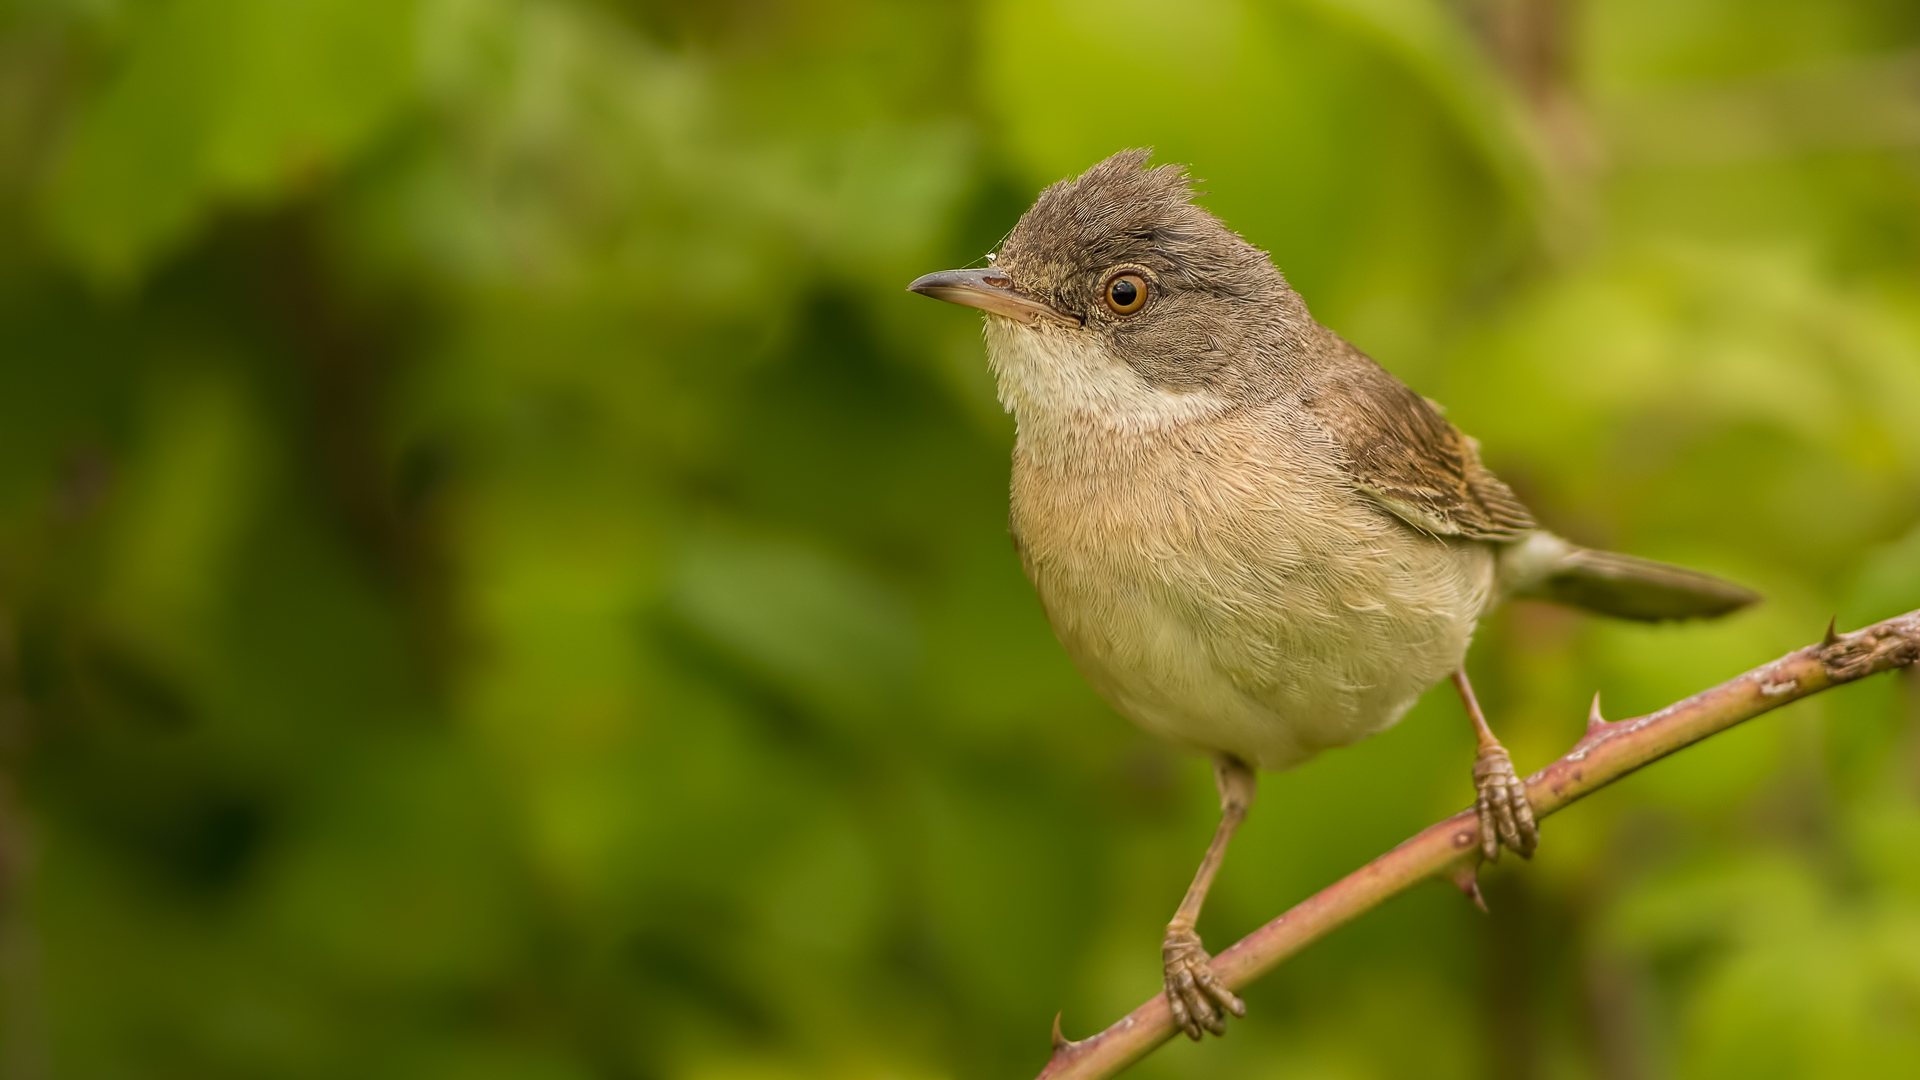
(1316, 641)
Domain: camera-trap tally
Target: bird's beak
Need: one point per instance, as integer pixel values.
(990, 290)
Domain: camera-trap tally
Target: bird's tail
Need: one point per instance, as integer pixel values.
(1545, 567)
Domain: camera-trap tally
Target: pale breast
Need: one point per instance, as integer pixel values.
(1224, 586)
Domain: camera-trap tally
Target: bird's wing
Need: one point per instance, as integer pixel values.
(1401, 452)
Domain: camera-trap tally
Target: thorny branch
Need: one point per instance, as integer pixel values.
(1451, 848)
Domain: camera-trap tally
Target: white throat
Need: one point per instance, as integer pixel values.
(1063, 389)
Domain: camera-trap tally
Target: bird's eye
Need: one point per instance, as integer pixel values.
(1126, 293)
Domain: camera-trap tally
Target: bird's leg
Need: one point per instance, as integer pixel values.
(1505, 814)
(1197, 1001)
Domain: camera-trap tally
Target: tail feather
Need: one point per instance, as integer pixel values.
(1545, 567)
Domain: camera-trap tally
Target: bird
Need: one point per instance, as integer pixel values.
(1252, 540)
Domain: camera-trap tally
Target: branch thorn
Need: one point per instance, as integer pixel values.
(1594, 720)
(1061, 1043)
(1468, 880)
(1832, 638)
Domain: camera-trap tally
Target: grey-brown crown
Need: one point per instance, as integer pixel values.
(1120, 212)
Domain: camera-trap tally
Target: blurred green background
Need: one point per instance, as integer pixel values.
(498, 580)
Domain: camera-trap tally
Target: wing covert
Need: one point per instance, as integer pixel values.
(1400, 451)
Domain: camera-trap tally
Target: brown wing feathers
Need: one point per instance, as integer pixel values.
(1401, 451)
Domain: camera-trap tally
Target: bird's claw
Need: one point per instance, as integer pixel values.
(1198, 1000)
(1506, 817)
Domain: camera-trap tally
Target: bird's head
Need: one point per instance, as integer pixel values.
(1117, 294)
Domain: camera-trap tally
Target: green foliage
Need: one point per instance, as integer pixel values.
(497, 579)
(224, 101)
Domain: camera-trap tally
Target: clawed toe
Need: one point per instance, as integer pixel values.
(1506, 816)
(1199, 1002)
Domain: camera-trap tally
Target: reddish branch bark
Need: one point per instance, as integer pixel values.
(1451, 849)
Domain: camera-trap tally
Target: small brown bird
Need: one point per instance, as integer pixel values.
(1250, 537)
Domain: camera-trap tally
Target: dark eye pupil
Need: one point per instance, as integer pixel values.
(1124, 293)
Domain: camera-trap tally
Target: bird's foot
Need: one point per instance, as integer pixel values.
(1506, 817)
(1199, 1002)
